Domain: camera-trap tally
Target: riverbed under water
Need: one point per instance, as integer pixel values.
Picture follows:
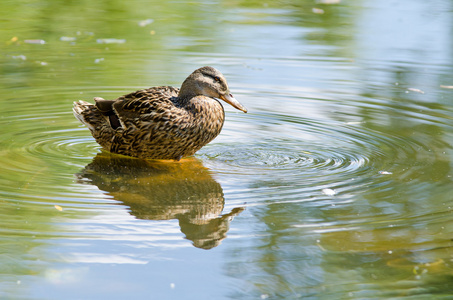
(336, 184)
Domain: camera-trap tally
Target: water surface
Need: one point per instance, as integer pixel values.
(336, 184)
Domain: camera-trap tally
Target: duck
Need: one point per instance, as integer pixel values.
(161, 122)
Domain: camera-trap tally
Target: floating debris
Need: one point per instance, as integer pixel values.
(152, 32)
(12, 40)
(329, 192)
(145, 22)
(318, 11)
(110, 41)
(385, 173)
(415, 90)
(355, 122)
(42, 63)
(328, 1)
(98, 60)
(58, 207)
(67, 39)
(39, 42)
(89, 33)
(446, 86)
(22, 57)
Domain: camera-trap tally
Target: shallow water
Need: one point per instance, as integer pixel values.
(336, 184)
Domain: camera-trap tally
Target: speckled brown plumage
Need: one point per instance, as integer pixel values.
(161, 122)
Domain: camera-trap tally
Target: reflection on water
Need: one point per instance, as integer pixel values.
(345, 161)
(164, 190)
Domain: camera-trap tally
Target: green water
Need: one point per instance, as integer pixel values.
(335, 185)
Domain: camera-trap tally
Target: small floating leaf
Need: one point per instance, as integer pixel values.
(12, 40)
(22, 57)
(110, 41)
(328, 1)
(415, 90)
(41, 42)
(67, 39)
(145, 22)
(385, 173)
(58, 207)
(329, 192)
(318, 11)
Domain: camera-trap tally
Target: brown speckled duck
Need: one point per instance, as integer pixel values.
(161, 122)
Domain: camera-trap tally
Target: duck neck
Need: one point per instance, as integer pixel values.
(189, 89)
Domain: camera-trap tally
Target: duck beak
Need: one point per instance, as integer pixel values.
(228, 98)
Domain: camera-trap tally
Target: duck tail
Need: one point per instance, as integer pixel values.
(89, 115)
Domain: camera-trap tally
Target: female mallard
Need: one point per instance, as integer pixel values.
(161, 122)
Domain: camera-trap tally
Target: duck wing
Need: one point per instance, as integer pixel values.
(140, 107)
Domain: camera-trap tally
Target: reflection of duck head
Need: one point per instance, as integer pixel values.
(163, 190)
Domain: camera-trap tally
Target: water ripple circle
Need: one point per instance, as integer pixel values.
(311, 148)
(65, 143)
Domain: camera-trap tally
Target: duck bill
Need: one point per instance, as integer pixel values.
(228, 98)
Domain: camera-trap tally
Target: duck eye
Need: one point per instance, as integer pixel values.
(217, 78)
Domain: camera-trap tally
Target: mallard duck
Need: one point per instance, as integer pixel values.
(161, 122)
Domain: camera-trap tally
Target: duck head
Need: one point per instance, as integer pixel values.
(209, 82)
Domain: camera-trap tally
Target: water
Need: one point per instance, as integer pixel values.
(336, 184)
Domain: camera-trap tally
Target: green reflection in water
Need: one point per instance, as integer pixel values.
(327, 113)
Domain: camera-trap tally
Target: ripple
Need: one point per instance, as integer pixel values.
(311, 146)
(62, 143)
(40, 155)
(296, 155)
(294, 158)
(265, 157)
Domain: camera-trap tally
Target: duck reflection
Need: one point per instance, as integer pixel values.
(162, 190)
